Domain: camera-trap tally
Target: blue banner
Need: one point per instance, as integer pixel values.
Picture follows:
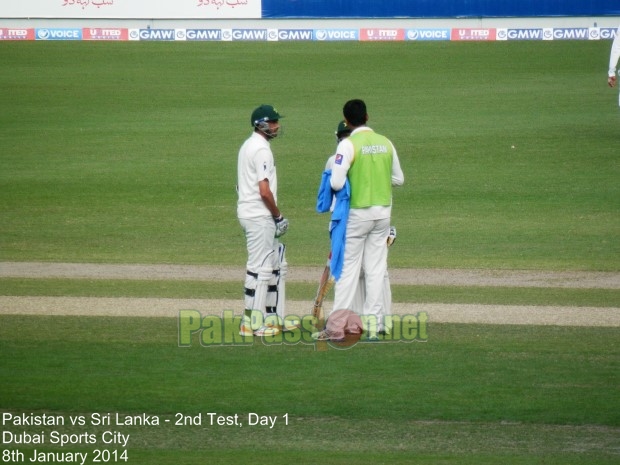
(58, 33)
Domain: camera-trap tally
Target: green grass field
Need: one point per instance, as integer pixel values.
(126, 153)
(471, 394)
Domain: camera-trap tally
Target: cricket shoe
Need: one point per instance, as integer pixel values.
(291, 325)
(245, 331)
(267, 331)
(325, 336)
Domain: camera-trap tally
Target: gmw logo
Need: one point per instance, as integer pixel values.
(295, 34)
(607, 33)
(204, 34)
(157, 34)
(249, 34)
(570, 33)
(525, 34)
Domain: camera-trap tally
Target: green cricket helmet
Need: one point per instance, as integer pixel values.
(342, 130)
(260, 118)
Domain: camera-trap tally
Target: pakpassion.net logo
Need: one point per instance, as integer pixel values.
(213, 330)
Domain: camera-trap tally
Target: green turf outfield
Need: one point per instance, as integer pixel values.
(471, 394)
(126, 153)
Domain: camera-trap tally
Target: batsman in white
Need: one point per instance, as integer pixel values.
(263, 225)
(614, 56)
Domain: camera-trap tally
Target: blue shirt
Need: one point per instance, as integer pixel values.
(340, 215)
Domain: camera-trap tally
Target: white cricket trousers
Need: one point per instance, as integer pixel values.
(366, 249)
(262, 263)
(261, 244)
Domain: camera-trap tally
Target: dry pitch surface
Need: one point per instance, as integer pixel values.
(448, 313)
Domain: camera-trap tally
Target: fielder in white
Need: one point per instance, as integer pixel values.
(614, 56)
(263, 224)
(370, 162)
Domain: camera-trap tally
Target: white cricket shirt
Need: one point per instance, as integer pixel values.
(255, 163)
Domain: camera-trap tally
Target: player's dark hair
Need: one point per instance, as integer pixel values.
(354, 112)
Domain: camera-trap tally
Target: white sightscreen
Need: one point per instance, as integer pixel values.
(131, 9)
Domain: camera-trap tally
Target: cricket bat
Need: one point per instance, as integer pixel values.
(325, 284)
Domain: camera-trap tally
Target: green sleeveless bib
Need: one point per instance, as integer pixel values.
(370, 173)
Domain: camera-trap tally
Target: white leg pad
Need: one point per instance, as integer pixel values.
(256, 285)
(387, 303)
(281, 283)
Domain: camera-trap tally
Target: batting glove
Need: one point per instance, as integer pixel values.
(281, 226)
(392, 236)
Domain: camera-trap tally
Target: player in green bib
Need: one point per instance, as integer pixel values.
(370, 162)
(370, 174)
